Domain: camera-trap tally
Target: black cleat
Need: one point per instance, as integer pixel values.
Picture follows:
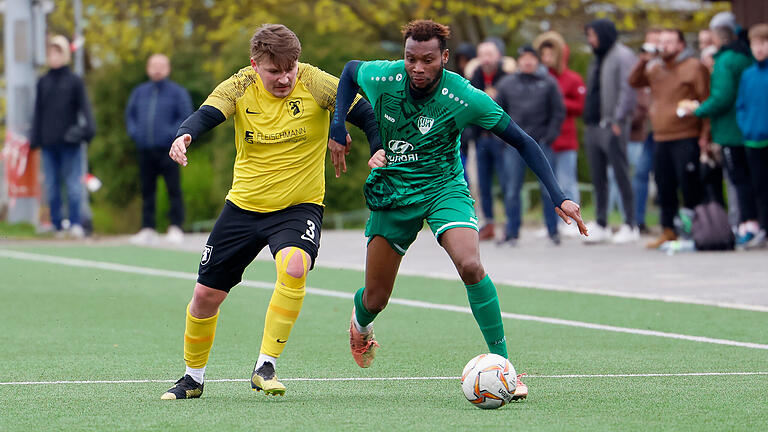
(185, 388)
(264, 379)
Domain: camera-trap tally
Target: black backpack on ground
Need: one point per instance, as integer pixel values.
(710, 228)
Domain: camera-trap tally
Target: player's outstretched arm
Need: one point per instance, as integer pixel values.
(362, 116)
(534, 157)
(199, 122)
(345, 95)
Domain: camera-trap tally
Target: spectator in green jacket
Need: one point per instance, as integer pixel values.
(732, 58)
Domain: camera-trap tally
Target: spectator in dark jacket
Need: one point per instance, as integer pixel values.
(155, 111)
(751, 113)
(607, 116)
(62, 121)
(554, 54)
(464, 54)
(489, 147)
(533, 100)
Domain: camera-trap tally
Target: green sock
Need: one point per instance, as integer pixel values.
(361, 313)
(485, 307)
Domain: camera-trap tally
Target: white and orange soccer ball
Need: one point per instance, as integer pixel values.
(488, 381)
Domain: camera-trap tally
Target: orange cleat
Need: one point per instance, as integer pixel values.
(521, 390)
(362, 345)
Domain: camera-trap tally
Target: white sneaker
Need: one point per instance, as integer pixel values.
(758, 241)
(174, 235)
(626, 234)
(145, 236)
(597, 234)
(77, 232)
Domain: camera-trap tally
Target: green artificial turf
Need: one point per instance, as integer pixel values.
(72, 323)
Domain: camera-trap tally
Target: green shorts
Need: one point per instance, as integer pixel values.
(451, 209)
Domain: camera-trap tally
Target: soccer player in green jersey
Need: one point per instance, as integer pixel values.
(422, 109)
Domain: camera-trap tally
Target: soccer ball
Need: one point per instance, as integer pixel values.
(489, 381)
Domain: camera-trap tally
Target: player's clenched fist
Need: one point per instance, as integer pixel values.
(378, 160)
(178, 150)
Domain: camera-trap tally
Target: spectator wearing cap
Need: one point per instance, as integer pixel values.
(751, 113)
(554, 53)
(62, 121)
(533, 100)
(607, 114)
(731, 60)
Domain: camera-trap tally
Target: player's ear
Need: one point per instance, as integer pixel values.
(254, 65)
(446, 54)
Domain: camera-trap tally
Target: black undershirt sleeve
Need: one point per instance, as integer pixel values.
(362, 116)
(201, 121)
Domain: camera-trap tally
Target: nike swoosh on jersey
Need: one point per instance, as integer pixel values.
(248, 111)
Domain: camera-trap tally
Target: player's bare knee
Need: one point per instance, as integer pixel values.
(206, 301)
(470, 270)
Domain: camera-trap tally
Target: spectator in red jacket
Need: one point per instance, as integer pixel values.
(554, 54)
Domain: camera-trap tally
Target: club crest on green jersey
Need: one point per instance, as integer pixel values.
(425, 124)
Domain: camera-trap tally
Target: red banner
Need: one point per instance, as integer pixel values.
(21, 167)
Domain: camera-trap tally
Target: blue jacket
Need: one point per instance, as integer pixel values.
(752, 104)
(154, 113)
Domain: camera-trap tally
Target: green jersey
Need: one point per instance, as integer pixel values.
(420, 136)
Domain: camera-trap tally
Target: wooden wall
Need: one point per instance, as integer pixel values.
(750, 12)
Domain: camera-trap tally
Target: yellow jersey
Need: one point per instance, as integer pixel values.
(280, 142)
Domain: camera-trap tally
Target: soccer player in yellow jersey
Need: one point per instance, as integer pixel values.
(282, 111)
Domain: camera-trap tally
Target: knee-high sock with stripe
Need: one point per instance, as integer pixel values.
(285, 305)
(484, 303)
(198, 339)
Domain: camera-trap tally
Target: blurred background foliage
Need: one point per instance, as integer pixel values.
(207, 41)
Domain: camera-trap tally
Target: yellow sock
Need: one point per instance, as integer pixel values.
(198, 339)
(285, 305)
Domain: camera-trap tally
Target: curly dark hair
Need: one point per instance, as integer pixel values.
(424, 30)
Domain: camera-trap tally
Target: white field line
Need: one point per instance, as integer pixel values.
(75, 262)
(562, 288)
(437, 378)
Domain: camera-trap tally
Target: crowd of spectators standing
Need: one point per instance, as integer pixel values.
(692, 120)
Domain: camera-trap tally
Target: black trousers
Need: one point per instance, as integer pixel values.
(605, 149)
(154, 163)
(757, 158)
(676, 164)
(735, 159)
